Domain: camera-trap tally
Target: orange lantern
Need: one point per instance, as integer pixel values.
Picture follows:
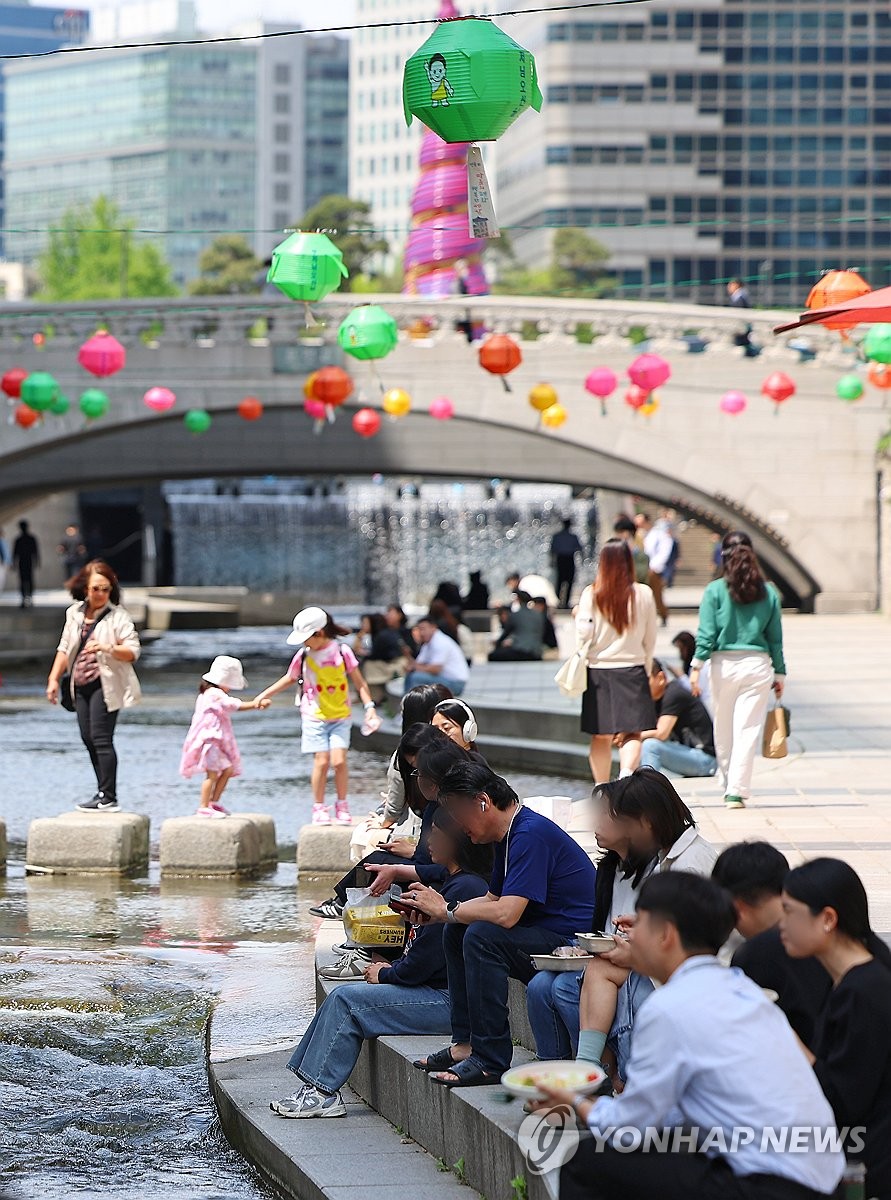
(331, 386)
(25, 416)
(835, 287)
(879, 375)
(499, 355)
(396, 403)
(542, 397)
(250, 409)
(308, 385)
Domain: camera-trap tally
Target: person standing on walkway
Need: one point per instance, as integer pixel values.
(625, 529)
(323, 668)
(659, 545)
(740, 631)
(98, 647)
(564, 547)
(26, 556)
(72, 551)
(5, 556)
(617, 618)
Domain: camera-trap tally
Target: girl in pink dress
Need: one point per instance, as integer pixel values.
(210, 744)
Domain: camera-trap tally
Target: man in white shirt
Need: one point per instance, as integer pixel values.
(439, 660)
(658, 546)
(720, 1102)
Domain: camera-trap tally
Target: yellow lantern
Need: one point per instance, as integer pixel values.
(554, 416)
(396, 403)
(542, 397)
(308, 385)
(651, 406)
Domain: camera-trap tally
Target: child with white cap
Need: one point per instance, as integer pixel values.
(210, 744)
(322, 670)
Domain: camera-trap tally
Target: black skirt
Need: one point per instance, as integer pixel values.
(617, 700)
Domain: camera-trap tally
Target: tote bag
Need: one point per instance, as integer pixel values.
(572, 678)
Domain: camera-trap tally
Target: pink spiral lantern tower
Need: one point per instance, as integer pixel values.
(439, 235)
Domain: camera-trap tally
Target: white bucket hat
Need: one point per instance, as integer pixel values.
(226, 672)
(307, 622)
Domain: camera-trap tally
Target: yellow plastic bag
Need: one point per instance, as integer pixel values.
(369, 922)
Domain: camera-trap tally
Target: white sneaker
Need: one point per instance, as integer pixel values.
(310, 1102)
(350, 966)
(206, 810)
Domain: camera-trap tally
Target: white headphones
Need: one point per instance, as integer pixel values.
(470, 729)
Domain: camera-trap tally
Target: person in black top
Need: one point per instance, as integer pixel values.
(826, 916)
(26, 556)
(477, 596)
(564, 547)
(409, 996)
(753, 874)
(683, 742)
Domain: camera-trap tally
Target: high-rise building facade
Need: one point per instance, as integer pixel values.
(697, 139)
(31, 30)
(709, 138)
(191, 140)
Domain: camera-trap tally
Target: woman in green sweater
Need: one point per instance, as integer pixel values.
(740, 631)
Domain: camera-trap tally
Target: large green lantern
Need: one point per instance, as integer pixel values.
(876, 346)
(196, 420)
(307, 266)
(368, 332)
(469, 81)
(39, 391)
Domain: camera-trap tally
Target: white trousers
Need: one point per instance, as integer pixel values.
(741, 684)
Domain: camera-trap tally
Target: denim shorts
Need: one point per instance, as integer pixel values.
(320, 736)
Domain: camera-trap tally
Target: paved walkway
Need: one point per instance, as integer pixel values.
(831, 795)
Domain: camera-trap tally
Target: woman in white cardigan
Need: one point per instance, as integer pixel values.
(98, 647)
(618, 618)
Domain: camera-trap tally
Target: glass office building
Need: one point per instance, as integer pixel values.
(707, 139)
(27, 30)
(327, 98)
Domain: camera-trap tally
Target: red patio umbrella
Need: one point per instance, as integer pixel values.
(870, 309)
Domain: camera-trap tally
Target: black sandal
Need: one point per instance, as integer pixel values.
(467, 1074)
(440, 1060)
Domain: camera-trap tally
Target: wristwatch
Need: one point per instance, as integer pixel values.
(452, 912)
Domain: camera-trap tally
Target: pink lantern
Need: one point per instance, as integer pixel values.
(102, 354)
(733, 403)
(159, 399)
(315, 409)
(602, 382)
(442, 409)
(636, 397)
(649, 371)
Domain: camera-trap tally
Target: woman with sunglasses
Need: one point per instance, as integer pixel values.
(98, 647)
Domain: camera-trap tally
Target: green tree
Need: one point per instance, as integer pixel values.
(347, 223)
(228, 267)
(94, 255)
(577, 259)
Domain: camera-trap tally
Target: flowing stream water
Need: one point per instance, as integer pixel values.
(106, 985)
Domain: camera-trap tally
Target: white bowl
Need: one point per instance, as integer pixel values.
(554, 962)
(596, 943)
(581, 1078)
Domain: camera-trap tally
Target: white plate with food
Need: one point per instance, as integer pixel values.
(564, 958)
(581, 1078)
(596, 943)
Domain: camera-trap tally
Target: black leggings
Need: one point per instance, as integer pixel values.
(97, 730)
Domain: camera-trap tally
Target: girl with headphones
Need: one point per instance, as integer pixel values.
(457, 722)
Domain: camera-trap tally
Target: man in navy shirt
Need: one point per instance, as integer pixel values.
(540, 895)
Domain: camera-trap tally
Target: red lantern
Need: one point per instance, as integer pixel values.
(835, 287)
(12, 381)
(367, 422)
(636, 397)
(331, 386)
(25, 416)
(879, 375)
(102, 354)
(778, 387)
(250, 409)
(499, 355)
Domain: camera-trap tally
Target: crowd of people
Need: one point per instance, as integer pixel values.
(740, 999)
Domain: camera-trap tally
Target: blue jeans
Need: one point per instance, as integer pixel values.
(553, 1001)
(481, 958)
(413, 678)
(677, 759)
(329, 1050)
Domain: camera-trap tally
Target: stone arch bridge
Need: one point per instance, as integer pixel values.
(803, 481)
